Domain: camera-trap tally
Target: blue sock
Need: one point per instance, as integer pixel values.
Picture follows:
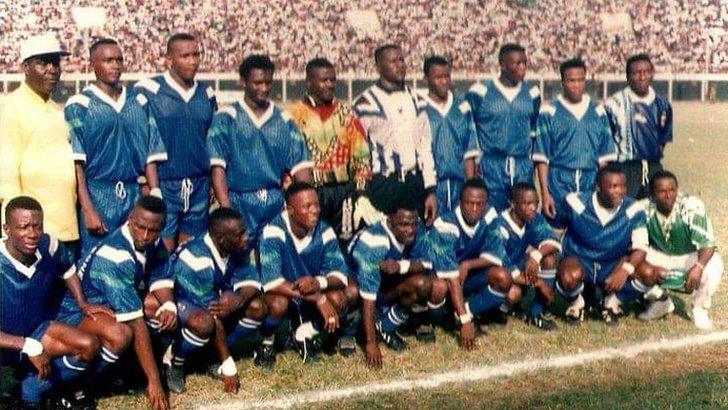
(570, 295)
(548, 276)
(394, 317)
(438, 313)
(32, 389)
(67, 368)
(244, 328)
(185, 344)
(351, 323)
(632, 289)
(485, 300)
(269, 326)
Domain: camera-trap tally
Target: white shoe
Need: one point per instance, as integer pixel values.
(700, 318)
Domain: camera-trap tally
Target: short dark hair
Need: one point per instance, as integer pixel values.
(404, 202)
(508, 48)
(635, 58)
(255, 61)
(179, 37)
(662, 174)
(571, 63)
(434, 60)
(220, 216)
(474, 183)
(104, 41)
(21, 202)
(519, 187)
(297, 187)
(317, 63)
(152, 204)
(610, 168)
(379, 52)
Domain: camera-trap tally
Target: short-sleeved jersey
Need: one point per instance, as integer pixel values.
(183, 118)
(114, 139)
(201, 273)
(27, 289)
(454, 139)
(505, 118)
(534, 233)
(601, 235)
(376, 244)
(687, 228)
(640, 125)
(285, 257)
(573, 136)
(114, 272)
(452, 241)
(255, 151)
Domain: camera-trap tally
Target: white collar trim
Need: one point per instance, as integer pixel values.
(647, 99)
(577, 110)
(117, 105)
(302, 243)
(469, 230)
(442, 109)
(510, 93)
(604, 214)
(27, 271)
(173, 84)
(127, 235)
(519, 230)
(219, 260)
(392, 238)
(257, 121)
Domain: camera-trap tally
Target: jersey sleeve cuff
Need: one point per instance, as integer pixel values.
(301, 165)
(273, 284)
(607, 158)
(448, 274)
(551, 242)
(536, 157)
(339, 275)
(161, 284)
(77, 156)
(368, 295)
(243, 283)
(490, 257)
(472, 154)
(218, 162)
(70, 272)
(126, 317)
(158, 157)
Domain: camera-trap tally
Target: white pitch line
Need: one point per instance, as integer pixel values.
(478, 373)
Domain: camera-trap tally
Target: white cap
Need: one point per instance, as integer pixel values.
(39, 45)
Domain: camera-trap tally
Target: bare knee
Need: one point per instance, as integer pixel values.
(439, 290)
(514, 295)
(499, 279)
(201, 323)
(256, 310)
(337, 298)
(571, 273)
(352, 294)
(647, 274)
(423, 287)
(118, 336)
(548, 262)
(88, 347)
(277, 305)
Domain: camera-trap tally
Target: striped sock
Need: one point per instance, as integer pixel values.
(244, 328)
(485, 300)
(395, 317)
(185, 344)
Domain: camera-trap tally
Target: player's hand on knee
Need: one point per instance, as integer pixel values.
(42, 363)
(373, 354)
(91, 310)
(167, 321)
(616, 280)
(531, 271)
(467, 336)
(692, 281)
(226, 305)
(328, 313)
(230, 384)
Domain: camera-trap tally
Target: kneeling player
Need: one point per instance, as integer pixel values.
(605, 241)
(303, 271)
(47, 353)
(390, 263)
(217, 295)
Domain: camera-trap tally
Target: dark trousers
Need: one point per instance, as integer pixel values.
(638, 175)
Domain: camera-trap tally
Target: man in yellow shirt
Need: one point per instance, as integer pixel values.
(35, 152)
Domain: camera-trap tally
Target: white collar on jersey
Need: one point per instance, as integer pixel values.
(510, 93)
(392, 238)
(647, 99)
(219, 260)
(442, 109)
(117, 105)
(577, 110)
(519, 230)
(257, 121)
(186, 95)
(27, 271)
(302, 243)
(126, 233)
(469, 230)
(604, 214)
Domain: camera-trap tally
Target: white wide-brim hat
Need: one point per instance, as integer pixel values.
(40, 45)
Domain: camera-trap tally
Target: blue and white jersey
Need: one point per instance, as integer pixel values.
(114, 272)
(374, 245)
(454, 139)
(183, 117)
(201, 273)
(534, 233)
(640, 125)
(453, 241)
(573, 136)
(285, 257)
(255, 151)
(505, 117)
(114, 139)
(26, 290)
(596, 234)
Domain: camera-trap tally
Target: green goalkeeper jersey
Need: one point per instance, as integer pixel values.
(685, 230)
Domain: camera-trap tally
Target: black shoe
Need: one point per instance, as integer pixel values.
(309, 349)
(175, 378)
(346, 346)
(543, 321)
(496, 317)
(610, 318)
(76, 401)
(392, 340)
(264, 356)
(425, 333)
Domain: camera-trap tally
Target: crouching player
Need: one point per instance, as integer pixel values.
(682, 249)
(47, 353)
(392, 266)
(526, 228)
(604, 246)
(217, 295)
(304, 276)
(111, 275)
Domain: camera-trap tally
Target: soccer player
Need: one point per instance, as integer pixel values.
(573, 140)
(337, 144)
(47, 352)
(392, 264)
(217, 294)
(303, 274)
(182, 108)
(251, 144)
(468, 248)
(454, 140)
(114, 141)
(505, 110)
(641, 123)
(604, 245)
(525, 228)
(111, 276)
(682, 249)
(399, 140)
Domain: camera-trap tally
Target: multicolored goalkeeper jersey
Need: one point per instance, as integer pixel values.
(685, 230)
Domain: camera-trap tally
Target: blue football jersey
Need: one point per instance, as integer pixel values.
(534, 233)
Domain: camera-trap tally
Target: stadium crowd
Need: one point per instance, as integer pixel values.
(681, 34)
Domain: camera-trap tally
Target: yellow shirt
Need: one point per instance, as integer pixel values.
(35, 159)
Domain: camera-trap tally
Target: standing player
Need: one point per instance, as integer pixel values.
(337, 144)
(454, 140)
(572, 141)
(399, 140)
(641, 124)
(251, 144)
(182, 109)
(505, 110)
(114, 141)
